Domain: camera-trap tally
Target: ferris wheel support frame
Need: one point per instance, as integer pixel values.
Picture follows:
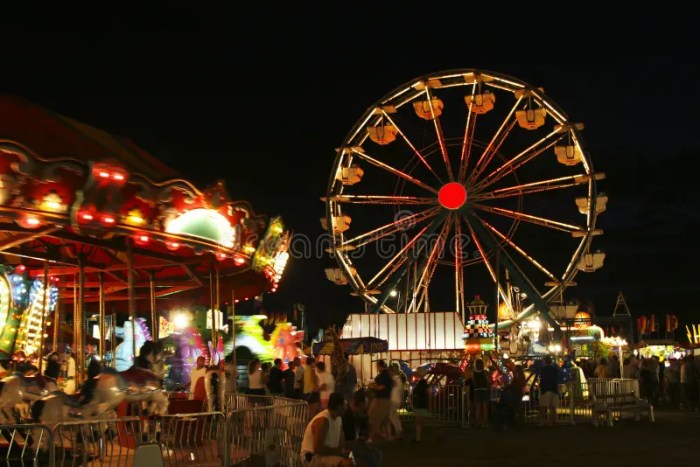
(401, 272)
(539, 304)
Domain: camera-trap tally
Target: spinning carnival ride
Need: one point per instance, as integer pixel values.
(107, 229)
(460, 182)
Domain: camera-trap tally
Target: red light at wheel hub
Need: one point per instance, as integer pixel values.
(452, 195)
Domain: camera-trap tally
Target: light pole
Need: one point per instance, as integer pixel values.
(393, 293)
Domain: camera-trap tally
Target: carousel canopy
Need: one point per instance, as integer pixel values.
(75, 198)
(52, 136)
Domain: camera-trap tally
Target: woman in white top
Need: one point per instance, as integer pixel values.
(397, 397)
(256, 380)
(327, 383)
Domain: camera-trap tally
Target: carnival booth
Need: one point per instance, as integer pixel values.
(102, 243)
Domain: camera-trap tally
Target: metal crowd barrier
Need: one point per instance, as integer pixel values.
(448, 404)
(188, 439)
(237, 401)
(27, 444)
(605, 386)
(271, 435)
(576, 399)
(263, 429)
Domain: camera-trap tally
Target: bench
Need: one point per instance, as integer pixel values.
(611, 406)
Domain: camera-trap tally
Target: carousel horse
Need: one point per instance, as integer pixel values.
(215, 388)
(140, 383)
(11, 397)
(107, 390)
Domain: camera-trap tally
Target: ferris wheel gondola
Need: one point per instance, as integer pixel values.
(455, 180)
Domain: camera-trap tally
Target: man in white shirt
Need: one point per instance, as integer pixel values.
(323, 444)
(197, 372)
(298, 379)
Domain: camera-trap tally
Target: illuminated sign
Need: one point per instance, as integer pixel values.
(206, 224)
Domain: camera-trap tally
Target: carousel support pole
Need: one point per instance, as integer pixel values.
(43, 317)
(233, 334)
(101, 323)
(155, 323)
(130, 285)
(113, 339)
(215, 313)
(212, 306)
(56, 325)
(78, 324)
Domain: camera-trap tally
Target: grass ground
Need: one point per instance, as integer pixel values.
(671, 441)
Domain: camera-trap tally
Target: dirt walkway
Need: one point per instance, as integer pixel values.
(671, 441)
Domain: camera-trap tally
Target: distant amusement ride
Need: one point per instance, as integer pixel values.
(457, 184)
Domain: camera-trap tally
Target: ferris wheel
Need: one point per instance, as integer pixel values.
(458, 183)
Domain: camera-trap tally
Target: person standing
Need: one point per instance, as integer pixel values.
(256, 378)
(326, 383)
(231, 374)
(53, 367)
(601, 371)
(289, 377)
(69, 371)
(481, 394)
(381, 402)
(347, 382)
(311, 387)
(298, 379)
(276, 379)
(420, 407)
(197, 373)
(549, 392)
(398, 379)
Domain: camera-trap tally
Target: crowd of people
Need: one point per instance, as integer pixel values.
(343, 417)
(674, 382)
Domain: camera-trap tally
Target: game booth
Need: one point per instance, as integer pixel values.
(105, 248)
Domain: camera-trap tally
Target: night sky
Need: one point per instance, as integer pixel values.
(264, 104)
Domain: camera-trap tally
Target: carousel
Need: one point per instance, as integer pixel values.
(104, 247)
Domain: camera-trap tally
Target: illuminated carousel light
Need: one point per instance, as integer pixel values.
(172, 245)
(29, 221)
(135, 217)
(108, 220)
(86, 216)
(141, 239)
(53, 202)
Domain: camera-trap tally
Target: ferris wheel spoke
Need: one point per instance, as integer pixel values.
(412, 146)
(440, 136)
(468, 139)
(395, 262)
(390, 228)
(366, 157)
(521, 159)
(534, 187)
(382, 199)
(459, 268)
(522, 252)
(541, 221)
(485, 257)
(495, 143)
(432, 258)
